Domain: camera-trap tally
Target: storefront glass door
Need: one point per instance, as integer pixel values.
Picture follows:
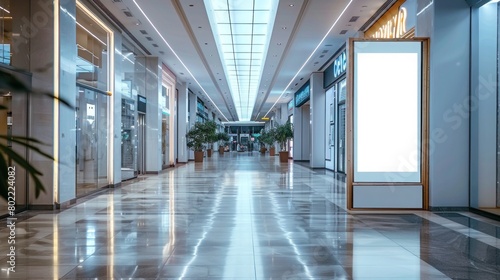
(91, 140)
(341, 140)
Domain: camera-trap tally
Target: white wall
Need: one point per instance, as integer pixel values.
(446, 22)
(484, 112)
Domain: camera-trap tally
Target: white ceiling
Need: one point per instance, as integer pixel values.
(296, 41)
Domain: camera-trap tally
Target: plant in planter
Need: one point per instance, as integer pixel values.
(222, 137)
(211, 136)
(198, 136)
(267, 138)
(282, 134)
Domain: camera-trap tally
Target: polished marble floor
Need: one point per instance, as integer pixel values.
(245, 216)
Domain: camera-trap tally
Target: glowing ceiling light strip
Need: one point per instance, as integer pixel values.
(3, 9)
(242, 39)
(432, 2)
(310, 56)
(180, 60)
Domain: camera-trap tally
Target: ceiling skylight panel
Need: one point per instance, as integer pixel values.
(243, 48)
(244, 23)
(221, 16)
(242, 28)
(224, 28)
(239, 4)
(260, 28)
(241, 16)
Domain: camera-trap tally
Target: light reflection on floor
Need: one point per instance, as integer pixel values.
(246, 216)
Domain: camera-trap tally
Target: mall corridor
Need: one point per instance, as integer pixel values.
(246, 216)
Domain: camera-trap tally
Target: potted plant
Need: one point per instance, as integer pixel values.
(266, 138)
(211, 136)
(198, 136)
(271, 140)
(282, 134)
(222, 137)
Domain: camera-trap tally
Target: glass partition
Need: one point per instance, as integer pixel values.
(91, 139)
(129, 91)
(15, 33)
(92, 116)
(92, 43)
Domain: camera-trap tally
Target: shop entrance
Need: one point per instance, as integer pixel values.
(141, 137)
(91, 140)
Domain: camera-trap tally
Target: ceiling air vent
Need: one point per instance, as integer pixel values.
(155, 45)
(149, 38)
(143, 31)
(343, 32)
(354, 19)
(324, 51)
(162, 52)
(117, 1)
(127, 13)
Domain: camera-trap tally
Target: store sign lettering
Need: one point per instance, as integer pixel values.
(339, 65)
(395, 27)
(302, 96)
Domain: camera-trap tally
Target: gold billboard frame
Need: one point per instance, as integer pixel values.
(424, 141)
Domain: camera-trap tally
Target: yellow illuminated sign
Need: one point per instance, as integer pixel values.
(391, 25)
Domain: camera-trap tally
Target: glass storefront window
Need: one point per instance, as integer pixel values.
(6, 32)
(129, 90)
(165, 125)
(92, 43)
(15, 31)
(92, 116)
(341, 145)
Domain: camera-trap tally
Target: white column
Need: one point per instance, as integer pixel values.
(182, 122)
(192, 117)
(318, 117)
(153, 116)
(297, 134)
(447, 23)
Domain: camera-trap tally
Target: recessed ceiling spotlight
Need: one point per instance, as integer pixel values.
(291, 5)
(191, 5)
(279, 44)
(199, 26)
(284, 27)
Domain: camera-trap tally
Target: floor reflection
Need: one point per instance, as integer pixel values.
(242, 216)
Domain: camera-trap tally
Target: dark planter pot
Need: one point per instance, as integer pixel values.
(283, 156)
(272, 151)
(209, 152)
(198, 156)
(221, 150)
(263, 150)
